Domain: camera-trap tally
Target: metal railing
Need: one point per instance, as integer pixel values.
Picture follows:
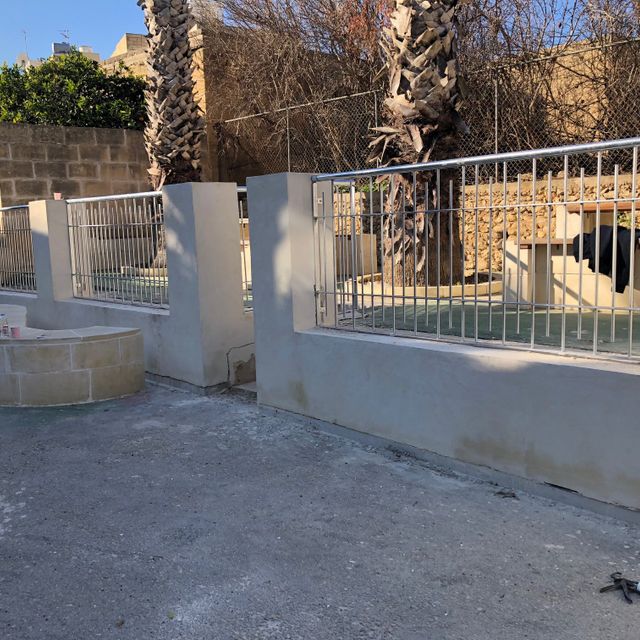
(245, 249)
(472, 250)
(118, 249)
(17, 272)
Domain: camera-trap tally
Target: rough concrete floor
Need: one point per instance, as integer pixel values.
(173, 516)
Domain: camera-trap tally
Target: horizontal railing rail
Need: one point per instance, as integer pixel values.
(455, 163)
(115, 198)
(17, 271)
(535, 249)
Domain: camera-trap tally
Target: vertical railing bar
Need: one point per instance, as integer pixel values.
(112, 230)
(150, 281)
(151, 205)
(382, 251)
(165, 274)
(427, 237)
(563, 334)
(476, 242)
(614, 258)
(141, 248)
(438, 213)
(490, 241)
(14, 259)
(596, 318)
(100, 247)
(371, 254)
(415, 253)
(505, 195)
(404, 255)
(362, 217)
(519, 274)
(346, 268)
(581, 255)
(337, 242)
(451, 255)
(130, 230)
(463, 257)
(392, 198)
(11, 257)
(103, 214)
(93, 233)
(549, 261)
(534, 237)
(338, 232)
(634, 245)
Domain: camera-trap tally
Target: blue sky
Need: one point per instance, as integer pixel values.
(98, 23)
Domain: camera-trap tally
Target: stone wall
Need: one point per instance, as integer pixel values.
(39, 161)
(490, 214)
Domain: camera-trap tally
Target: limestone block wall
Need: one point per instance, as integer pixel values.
(490, 220)
(38, 161)
(49, 368)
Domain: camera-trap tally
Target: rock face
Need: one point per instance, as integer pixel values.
(489, 213)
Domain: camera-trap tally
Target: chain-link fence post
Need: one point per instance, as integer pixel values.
(288, 141)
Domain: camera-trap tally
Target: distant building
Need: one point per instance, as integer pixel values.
(57, 49)
(25, 62)
(131, 51)
(62, 48)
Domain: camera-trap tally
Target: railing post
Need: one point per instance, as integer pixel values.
(51, 251)
(325, 253)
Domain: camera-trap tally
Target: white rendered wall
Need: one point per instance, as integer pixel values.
(206, 321)
(569, 422)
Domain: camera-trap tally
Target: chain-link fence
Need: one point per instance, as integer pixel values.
(583, 94)
(313, 137)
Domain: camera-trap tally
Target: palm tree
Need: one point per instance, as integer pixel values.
(422, 122)
(175, 124)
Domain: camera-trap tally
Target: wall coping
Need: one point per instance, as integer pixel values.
(30, 336)
(517, 355)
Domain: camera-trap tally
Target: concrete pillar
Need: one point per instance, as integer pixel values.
(51, 250)
(282, 264)
(210, 327)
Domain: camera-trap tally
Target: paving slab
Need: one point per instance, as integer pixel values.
(171, 516)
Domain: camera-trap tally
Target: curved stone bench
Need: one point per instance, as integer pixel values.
(50, 368)
(16, 315)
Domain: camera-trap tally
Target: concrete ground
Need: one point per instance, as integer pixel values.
(173, 516)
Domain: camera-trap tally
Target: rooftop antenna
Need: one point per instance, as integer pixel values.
(66, 34)
(26, 42)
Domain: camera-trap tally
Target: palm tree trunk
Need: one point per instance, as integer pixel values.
(422, 121)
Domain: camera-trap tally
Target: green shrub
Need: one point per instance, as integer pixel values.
(72, 90)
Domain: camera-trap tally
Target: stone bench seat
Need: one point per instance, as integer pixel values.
(75, 366)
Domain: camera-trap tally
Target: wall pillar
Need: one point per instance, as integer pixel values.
(51, 250)
(212, 332)
(282, 264)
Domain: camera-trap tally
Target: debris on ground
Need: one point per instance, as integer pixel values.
(507, 493)
(625, 585)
